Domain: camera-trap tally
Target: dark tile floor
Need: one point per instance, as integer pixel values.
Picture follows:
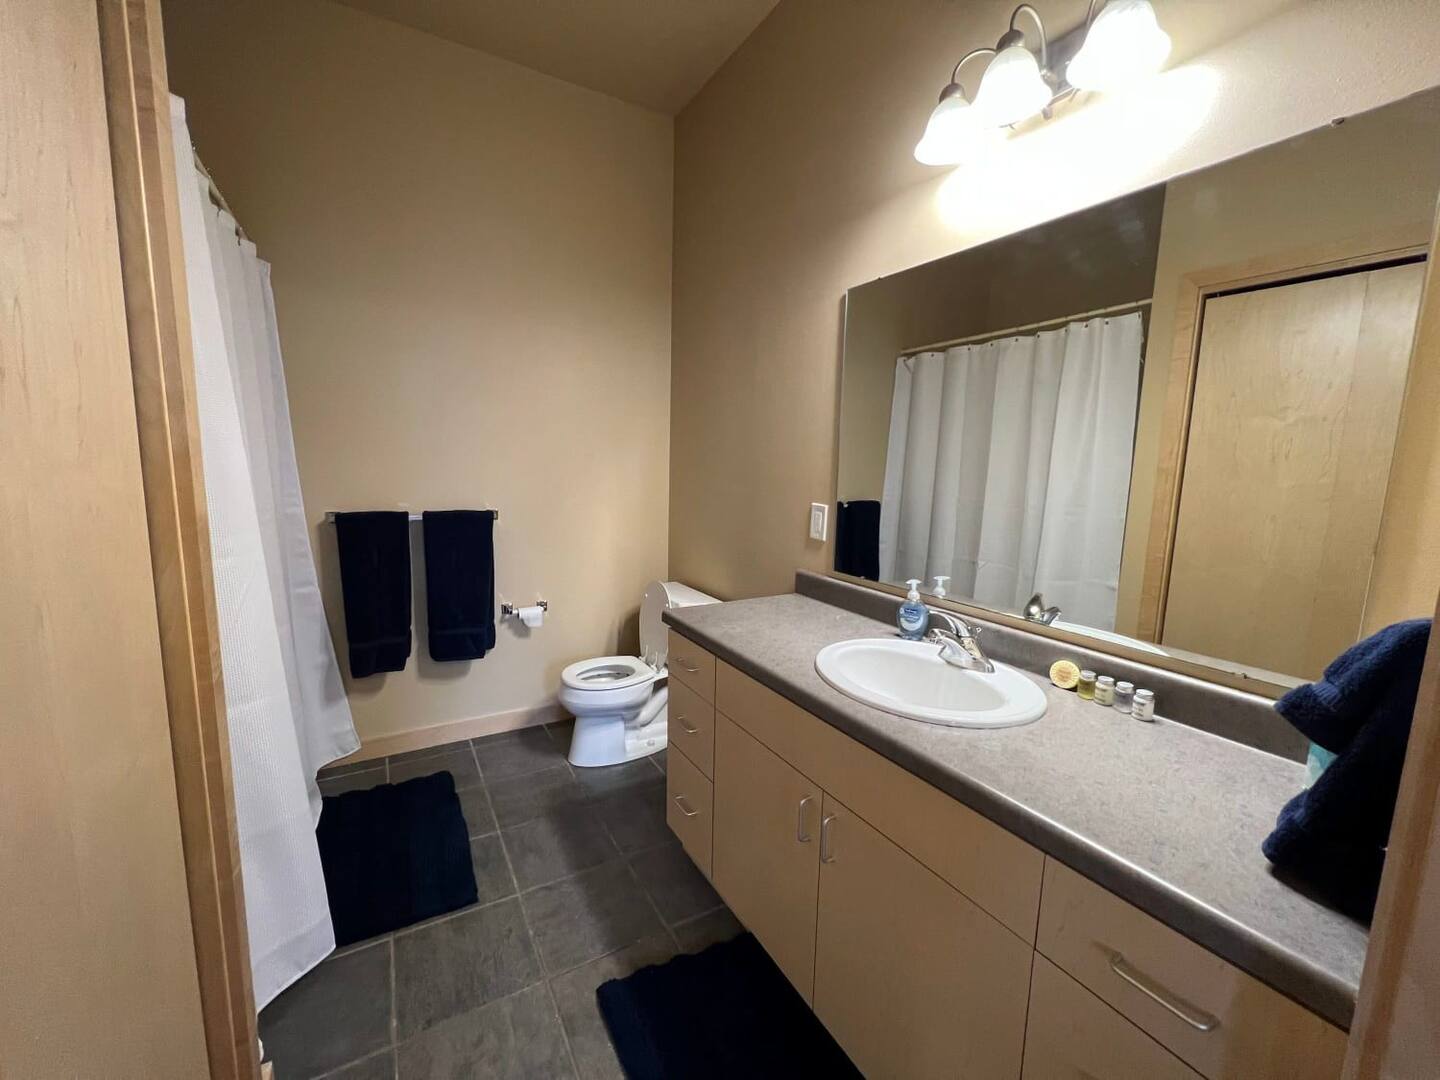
(580, 881)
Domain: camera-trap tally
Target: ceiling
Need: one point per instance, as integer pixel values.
(656, 53)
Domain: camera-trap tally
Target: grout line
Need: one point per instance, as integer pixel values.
(434, 920)
(643, 891)
(394, 1006)
(358, 1061)
(564, 1033)
(696, 918)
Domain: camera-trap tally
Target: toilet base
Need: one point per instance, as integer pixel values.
(606, 739)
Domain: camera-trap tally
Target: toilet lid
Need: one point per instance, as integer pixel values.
(607, 673)
(660, 595)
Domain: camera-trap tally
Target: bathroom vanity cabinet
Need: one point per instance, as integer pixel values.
(929, 940)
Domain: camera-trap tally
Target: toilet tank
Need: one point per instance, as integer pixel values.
(659, 596)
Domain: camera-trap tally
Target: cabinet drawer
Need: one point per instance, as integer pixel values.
(689, 808)
(993, 867)
(692, 665)
(691, 727)
(1073, 1034)
(1209, 1013)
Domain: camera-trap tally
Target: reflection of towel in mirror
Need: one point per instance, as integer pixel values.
(1333, 835)
(857, 538)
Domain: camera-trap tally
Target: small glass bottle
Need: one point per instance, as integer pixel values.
(1105, 691)
(1144, 707)
(1086, 686)
(1124, 695)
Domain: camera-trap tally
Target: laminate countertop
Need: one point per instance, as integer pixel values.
(1166, 816)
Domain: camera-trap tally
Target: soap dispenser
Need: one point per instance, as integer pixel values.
(942, 586)
(914, 616)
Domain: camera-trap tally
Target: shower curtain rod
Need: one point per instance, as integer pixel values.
(216, 194)
(1116, 309)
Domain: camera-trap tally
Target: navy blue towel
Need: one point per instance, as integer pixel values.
(460, 583)
(1332, 836)
(857, 538)
(393, 855)
(374, 548)
(724, 1013)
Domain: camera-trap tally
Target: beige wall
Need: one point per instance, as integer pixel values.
(97, 964)
(472, 276)
(794, 181)
(1375, 176)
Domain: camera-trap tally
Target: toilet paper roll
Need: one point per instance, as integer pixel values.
(532, 616)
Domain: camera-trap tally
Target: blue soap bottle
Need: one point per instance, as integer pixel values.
(914, 616)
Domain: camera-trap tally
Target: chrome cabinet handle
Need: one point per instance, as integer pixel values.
(1196, 1018)
(686, 727)
(685, 807)
(681, 661)
(827, 853)
(800, 834)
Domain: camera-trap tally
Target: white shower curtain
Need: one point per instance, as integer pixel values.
(284, 700)
(1008, 467)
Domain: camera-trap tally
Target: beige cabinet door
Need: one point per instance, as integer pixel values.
(765, 853)
(1297, 398)
(911, 978)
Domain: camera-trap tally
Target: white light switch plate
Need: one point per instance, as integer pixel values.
(819, 520)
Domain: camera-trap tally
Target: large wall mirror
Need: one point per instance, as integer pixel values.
(1171, 417)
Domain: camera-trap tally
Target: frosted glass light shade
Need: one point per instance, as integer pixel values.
(1012, 88)
(1125, 44)
(954, 133)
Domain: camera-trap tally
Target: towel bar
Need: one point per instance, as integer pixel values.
(330, 516)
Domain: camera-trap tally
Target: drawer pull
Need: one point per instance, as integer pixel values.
(685, 807)
(686, 727)
(801, 835)
(827, 853)
(1196, 1018)
(681, 661)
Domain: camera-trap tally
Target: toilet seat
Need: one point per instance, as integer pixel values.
(607, 673)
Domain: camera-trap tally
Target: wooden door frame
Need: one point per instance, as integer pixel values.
(1195, 290)
(163, 374)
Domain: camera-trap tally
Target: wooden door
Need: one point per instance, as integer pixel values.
(911, 978)
(765, 853)
(98, 972)
(1297, 398)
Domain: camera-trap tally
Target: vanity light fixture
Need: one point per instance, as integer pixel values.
(1122, 44)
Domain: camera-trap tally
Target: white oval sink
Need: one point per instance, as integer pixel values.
(909, 679)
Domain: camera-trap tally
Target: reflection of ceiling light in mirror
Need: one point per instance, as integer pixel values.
(1012, 88)
(1125, 44)
(954, 132)
(1111, 146)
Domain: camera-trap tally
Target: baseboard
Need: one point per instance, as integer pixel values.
(402, 742)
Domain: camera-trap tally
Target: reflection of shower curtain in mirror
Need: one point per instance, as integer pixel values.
(1008, 467)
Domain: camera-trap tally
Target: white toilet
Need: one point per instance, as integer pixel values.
(619, 701)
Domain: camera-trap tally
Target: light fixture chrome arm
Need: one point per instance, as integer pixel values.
(955, 71)
(1039, 25)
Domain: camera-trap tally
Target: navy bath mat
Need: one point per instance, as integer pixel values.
(727, 1012)
(393, 855)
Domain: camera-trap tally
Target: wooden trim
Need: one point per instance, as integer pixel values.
(1195, 289)
(162, 367)
(1401, 979)
(476, 727)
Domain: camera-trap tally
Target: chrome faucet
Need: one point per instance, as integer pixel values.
(1036, 611)
(957, 642)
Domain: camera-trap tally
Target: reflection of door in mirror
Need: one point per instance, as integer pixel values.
(1297, 393)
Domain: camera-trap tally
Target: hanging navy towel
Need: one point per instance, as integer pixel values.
(460, 583)
(1333, 835)
(375, 580)
(857, 538)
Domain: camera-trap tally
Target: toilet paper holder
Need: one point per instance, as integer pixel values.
(511, 611)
